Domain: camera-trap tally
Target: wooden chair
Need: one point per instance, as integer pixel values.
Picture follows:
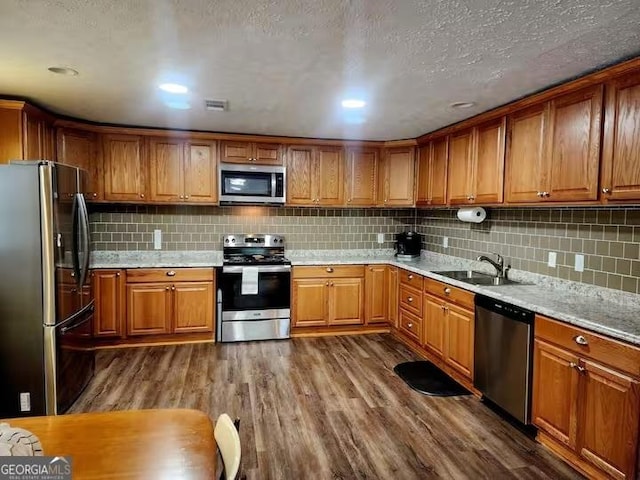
(228, 440)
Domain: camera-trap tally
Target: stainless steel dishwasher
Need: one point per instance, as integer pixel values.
(503, 355)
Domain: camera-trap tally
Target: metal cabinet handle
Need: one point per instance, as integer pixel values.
(171, 273)
(117, 274)
(181, 196)
(142, 195)
(329, 270)
(447, 290)
(410, 325)
(186, 196)
(546, 194)
(539, 194)
(580, 340)
(173, 287)
(166, 288)
(606, 190)
(332, 284)
(326, 284)
(410, 277)
(95, 195)
(410, 299)
(577, 367)
(442, 307)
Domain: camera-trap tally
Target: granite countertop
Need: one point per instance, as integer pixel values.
(613, 313)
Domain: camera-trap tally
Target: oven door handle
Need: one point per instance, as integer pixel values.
(261, 269)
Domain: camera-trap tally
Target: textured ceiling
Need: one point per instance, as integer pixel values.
(284, 65)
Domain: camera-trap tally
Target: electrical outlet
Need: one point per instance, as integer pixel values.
(381, 238)
(579, 265)
(157, 239)
(445, 242)
(552, 259)
(25, 402)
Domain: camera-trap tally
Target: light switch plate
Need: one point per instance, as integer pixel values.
(579, 265)
(381, 238)
(552, 259)
(445, 242)
(157, 239)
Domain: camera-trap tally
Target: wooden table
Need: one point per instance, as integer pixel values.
(141, 444)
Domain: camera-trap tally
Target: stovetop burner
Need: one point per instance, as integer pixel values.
(253, 249)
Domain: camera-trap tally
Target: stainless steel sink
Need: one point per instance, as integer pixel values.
(477, 278)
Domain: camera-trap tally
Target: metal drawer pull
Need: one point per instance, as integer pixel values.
(577, 367)
(410, 277)
(171, 273)
(329, 270)
(447, 291)
(580, 340)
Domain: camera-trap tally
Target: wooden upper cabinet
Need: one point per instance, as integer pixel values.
(460, 167)
(423, 162)
(302, 176)
(81, 149)
(362, 176)
(124, 167)
(397, 176)
(487, 183)
(573, 147)
(525, 166)
(315, 175)
(38, 141)
(250, 152)
(376, 298)
(200, 172)
(620, 172)
(166, 167)
(432, 173)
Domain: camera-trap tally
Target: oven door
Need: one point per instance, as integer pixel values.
(273, 298)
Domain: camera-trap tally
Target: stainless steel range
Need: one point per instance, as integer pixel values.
(254, 289)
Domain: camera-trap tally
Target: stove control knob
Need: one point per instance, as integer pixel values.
(226, 240)
(233, 240)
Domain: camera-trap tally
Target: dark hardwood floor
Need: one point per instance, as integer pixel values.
(325, 408)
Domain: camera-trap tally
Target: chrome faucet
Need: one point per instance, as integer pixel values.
(498, 264)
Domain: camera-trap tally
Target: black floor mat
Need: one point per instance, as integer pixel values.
(426, 378)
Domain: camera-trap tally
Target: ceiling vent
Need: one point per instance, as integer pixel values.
(216, 105)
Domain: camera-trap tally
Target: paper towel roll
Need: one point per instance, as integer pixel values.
(472, 214)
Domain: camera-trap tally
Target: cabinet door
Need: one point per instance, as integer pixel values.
(236, 152)
(460, 168)
(525, 162)
(488, 169)
(80, 149)
(346, 301)
(609, 420)
(398, 179)
(375, 281)
(433, 332)
(362, 176)
(32, 137)
(439, 171)
(423, 162)
(109, 294)
(555, 392)
(200, 172)
(309, 302)
(573, 149)
(392, 291)
(166, 167)
(49, 142)
(148, 308)
(193, 307)
(267, 153)
(620, 165)
(124, 168)
(459, 340)
(302, 176)
(330, 171)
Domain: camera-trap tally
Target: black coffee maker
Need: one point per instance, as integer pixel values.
(408, 245)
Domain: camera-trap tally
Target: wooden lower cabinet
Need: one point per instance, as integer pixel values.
(376, 296)
(310, 302)
(587, 411)
(346, 301)
(392, 292)
(148, 309)
(193, 307)
(434, 326)
(109, 293)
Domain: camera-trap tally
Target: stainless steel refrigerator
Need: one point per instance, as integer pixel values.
(46, 304)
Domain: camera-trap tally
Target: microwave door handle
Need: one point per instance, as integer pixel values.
(84, 224)
(75, 251)
(273, 185)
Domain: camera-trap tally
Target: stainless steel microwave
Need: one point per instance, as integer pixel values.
(252, 184)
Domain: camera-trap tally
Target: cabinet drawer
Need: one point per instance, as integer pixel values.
(329, 271)
(150, 275)
(410, 278)
(411, 299)
(452, 294)
(410, 325)
(606, 350)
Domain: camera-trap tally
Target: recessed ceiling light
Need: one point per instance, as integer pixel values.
(63, 71)
(173, 88)
(353, 103)
(462, 104)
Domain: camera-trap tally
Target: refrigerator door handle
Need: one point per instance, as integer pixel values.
(84, 226)
(75, 247)
(88, 310)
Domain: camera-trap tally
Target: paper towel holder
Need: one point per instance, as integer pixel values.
(472, 214)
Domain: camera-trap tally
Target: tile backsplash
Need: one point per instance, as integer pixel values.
(120, 227)
(609, 239)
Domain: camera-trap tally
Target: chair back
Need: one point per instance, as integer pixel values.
(228, 441)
